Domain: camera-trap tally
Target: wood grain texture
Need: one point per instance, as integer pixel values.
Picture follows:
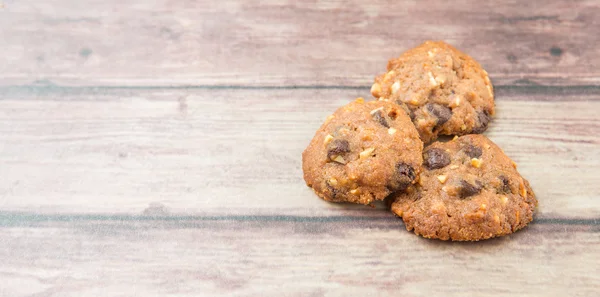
(287, 258)
(227, 151)
(152, 148)
(98, 42)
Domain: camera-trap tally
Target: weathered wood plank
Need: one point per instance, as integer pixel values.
(288, 42)
(282, 258)
(224, 151)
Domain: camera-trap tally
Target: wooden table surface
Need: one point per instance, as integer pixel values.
(153, 148)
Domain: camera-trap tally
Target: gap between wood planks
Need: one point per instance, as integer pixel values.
(525, 88)
(505, 92)
(12, 219)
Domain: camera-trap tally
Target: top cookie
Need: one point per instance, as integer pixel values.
(447, 92)
(469, 190)
(363, 152)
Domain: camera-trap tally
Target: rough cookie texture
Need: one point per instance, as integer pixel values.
(363, 152)
(447, 92)
(469, 190)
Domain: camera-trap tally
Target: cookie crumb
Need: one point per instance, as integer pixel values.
(328, 139)
(475, 162)
(354, 191)
(440, 79)
(366, 153)
(395, 87)
(522, 190)
(360, 100)
(333, 181)
(376, 90)
(388, 75)
(339, 159)
(432, 80)
(442, 178)
(455, 102)
(392, 131)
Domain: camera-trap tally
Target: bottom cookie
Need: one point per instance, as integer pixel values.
(469, 190)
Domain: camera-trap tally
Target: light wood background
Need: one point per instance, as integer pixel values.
(153, 148)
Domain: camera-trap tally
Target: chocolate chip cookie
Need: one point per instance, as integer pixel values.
(363, 152)
(447, 92)
(469, 190)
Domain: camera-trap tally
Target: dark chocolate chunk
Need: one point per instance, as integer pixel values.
(405, 175)
(467, 189)
(505, 186)
(435, 158)
(442, 113)
(338, 147)
(334, 191)
(483, 119)
(472, 151)
(378, 117)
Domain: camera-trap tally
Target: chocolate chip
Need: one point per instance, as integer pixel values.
(472, 151)
(505, 186)
(405, 175)
(334, 191)
(442, 113)
(338, 147)
(467, 189)
(435, 158)
(483, 119)
(378, 117)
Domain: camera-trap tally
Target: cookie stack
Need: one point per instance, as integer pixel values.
(465, 189)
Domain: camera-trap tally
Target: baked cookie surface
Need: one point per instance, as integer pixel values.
(363, 152)
(469, 190)
(447, 91)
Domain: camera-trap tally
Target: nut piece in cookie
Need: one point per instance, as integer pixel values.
(363, 153)
(447, 91)
(469, 190)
